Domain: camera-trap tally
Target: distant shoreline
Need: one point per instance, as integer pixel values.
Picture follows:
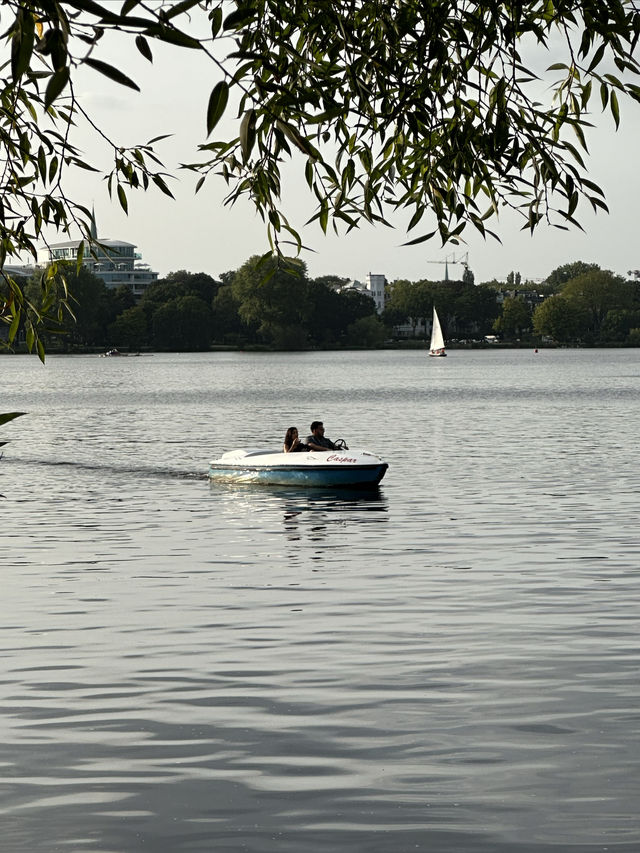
(21, 349)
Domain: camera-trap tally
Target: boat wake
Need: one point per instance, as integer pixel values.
(165, 473)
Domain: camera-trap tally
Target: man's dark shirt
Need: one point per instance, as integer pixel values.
(320, 441)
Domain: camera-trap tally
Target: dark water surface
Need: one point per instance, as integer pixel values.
(448, 664)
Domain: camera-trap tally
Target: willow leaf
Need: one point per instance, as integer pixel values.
(112, 73)
(217, 104)
(56, 86)
(248, 133)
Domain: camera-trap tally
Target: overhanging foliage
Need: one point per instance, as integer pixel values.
(438, 110)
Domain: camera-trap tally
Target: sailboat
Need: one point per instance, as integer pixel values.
(436, 347)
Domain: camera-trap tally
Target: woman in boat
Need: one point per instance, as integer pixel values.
(292, 443)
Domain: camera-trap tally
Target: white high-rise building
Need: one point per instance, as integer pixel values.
(114, 261)
(375, 285)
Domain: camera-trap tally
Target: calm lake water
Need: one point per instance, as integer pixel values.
(449, 664)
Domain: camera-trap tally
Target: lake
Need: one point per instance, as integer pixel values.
(447, 664)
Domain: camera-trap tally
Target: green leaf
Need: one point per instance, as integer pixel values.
(55, 86)
(15, 322)
(216, 21)
(122, 198)
(179, 8)
(615, 109)
(298, 140)
(9, 416)
(236, 19)
(160, 183)
(22, 44)
(615, 81)
(308, 173)
(248, 133)
(217, 104)
(597, 57)
(42, 163)
(422, 239)
(324, 215)
(53, 168)
(112, 73)
(170, 35)
(82, 165)
(159, 138)
(143, 46)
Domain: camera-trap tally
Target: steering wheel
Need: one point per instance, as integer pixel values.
(340, 444)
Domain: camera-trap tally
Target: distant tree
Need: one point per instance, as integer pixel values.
(475, 309)
(332, 281)
(130, 329)
(200, 284)
(227, 326)
(183, 324)
(159, 292)
(355, 305)
(409, 302)
(596, 293)
(181, 283)
(562, 274)
(618, 324)
(333, 312)
(366, 332)
(461, 305)
(444, 295)
(326, 322)
(395, 311)
(92, 308)
(558, 319)
(272, 297)
(123, 298)
(514, 319)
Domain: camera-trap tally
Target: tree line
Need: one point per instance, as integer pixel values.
(263, 303)
(577, 304)
(266, 304)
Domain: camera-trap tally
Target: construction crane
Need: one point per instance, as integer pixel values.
(451, 259)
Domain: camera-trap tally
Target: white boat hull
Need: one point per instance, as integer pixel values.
(353, 468)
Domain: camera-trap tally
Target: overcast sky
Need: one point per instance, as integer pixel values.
(197, 233)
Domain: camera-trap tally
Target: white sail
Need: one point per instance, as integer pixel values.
(437, 341)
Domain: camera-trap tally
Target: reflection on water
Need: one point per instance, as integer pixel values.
(306, 513)
(448, 663)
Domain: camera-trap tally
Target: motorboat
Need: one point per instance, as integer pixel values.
(343, 467)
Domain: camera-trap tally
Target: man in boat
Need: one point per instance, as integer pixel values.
(317, 440)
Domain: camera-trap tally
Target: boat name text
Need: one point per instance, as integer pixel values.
(334, 458)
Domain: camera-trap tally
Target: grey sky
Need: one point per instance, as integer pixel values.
(198, 234)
